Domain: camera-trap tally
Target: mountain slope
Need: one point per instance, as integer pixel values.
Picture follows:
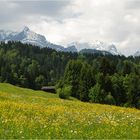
(30, 37)
(97, 45)
(27, 36)
(4, 35)
(39, 115)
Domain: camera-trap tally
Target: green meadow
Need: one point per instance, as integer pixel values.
(26, 113)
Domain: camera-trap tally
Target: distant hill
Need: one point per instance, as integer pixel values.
(93, 51)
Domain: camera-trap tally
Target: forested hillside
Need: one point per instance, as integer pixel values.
(89, 77)
(29, 66)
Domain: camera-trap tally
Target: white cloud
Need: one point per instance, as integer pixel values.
(115, 21)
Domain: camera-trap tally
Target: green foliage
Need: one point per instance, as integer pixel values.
(40, 81)
(86, 82)
(109, 99)
(97, 94)
(114, 80)
(72, 76)
(105, 66)
(132, 88)
(30, 66)
(65, 92)
(138, 104)
(118, 91)
(128, 67)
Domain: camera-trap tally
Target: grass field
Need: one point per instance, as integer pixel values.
(25, 113)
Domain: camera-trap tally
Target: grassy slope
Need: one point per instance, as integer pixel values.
(26, 113)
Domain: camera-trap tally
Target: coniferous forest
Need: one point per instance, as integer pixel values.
(93, 78)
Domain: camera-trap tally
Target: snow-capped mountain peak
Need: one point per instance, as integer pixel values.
(26, 29)
(27, 36)
(96, 45)
(30, 37)
(5, 34)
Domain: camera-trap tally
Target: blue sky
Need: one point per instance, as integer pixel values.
(65, 21)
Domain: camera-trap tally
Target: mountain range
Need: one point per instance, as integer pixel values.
(30, 37)
(96, 46)
(137, 54)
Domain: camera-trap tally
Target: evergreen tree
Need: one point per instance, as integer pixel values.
(97, 94)
(72, 76)
(86, 82)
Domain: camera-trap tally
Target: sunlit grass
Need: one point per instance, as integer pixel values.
(26, 114)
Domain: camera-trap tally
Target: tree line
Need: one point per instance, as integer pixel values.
(105, 79)
(111, 80)
(30, 66)
(89, 77)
